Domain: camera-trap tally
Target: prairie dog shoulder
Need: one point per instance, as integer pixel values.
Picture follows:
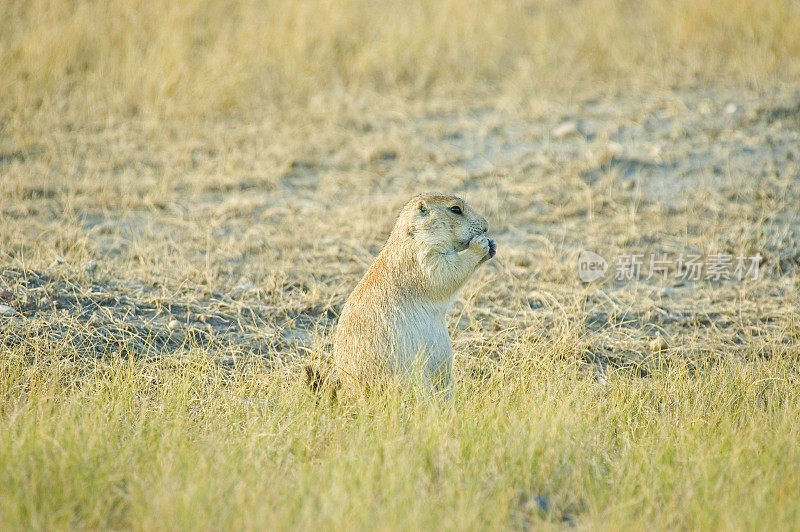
(394, 320)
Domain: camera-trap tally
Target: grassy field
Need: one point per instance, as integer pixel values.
(189, 191)
(183, 444)
(203, 56)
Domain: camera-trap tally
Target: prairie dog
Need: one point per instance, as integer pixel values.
(394, 321)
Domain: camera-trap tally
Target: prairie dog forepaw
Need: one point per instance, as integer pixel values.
(481, 246)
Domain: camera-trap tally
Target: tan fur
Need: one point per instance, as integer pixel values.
(394, 321)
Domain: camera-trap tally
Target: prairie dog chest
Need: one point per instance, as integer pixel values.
(424, 333)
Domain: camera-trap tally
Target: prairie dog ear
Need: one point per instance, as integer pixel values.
(422, 207)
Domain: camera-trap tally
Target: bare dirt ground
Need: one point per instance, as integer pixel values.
(243, 235)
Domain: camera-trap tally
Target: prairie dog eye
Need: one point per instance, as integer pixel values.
(456, 209)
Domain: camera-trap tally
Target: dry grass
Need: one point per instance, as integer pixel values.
(189, 191)
(157, 56)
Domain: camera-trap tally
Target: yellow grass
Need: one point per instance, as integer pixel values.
(181, 444)
(209, 55)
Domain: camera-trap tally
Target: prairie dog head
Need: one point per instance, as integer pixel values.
(442, 223)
